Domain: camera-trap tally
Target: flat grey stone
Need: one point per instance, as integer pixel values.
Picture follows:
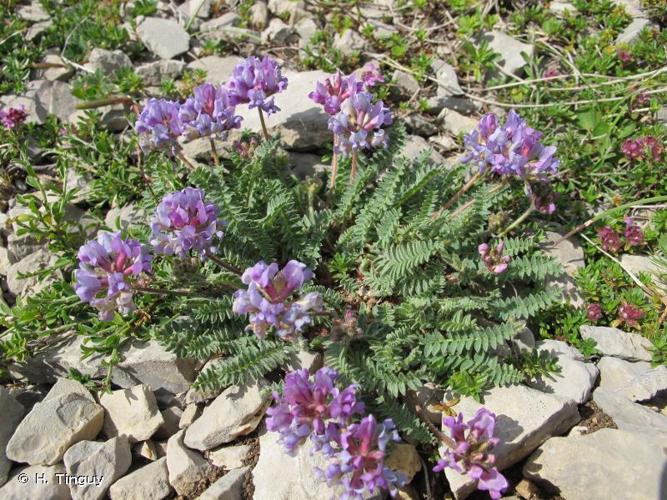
(627, 415)
(132, 413)
(42, 484)
(415, 145)
(510, 50)
(187, 468)
(637, 381)
(12, 413)
(236, 412)
(107, 61)
(229, 457)
(617, 343)
(164, 37)
(349, 42)
(150, 482)
(154, 73)
(218, 69)
(606, 464)
(228, 487)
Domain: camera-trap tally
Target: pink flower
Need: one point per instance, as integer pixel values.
(630, 315)
(634, 235)
(611, 241)
(594, 312)
(493, 257)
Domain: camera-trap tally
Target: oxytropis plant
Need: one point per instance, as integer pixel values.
(395, 276)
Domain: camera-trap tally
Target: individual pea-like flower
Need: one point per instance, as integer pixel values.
(634, 236)
(512, 149)
(370, 75)
(493, 257)
(12, 117)
(624, 56)
(334, 91)
(629, 315)
(542, 196)
(359, 123)
(255, 81)
(473, 442)
(306, 407)
(108, 269)
(159, 125)
(208, 112)
(594, 312)
(358, 465)
(268, 299)
(611, 241)
(185, 222)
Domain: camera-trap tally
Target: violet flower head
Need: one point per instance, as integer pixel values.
(306, 407)
(183, 221)
(634, 235)
(542, 196)
(611, 241)
(358, 465)
(359, 123)
(633, 149)
(108, 268)
(493, 257)
(255, 81)
(471, 455)
(642, 148)
(513, 149)
(159, 125)
(13, 117)
(629, 315)
(268, 299)
(370, 75)
(334, 91)
(594, 312)
(208, 112)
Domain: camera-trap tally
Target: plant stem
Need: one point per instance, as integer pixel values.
(519, 220)
(261, 120)
(593, 220)
(466, 187)
(179, 293)
(107, 101)
(353, 170)
(214, 152)
(224, 265)
(442, 437)
(334, 165)
(184, 159)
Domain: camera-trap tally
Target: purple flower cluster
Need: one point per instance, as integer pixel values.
(13, 117)
(611, 241)
(305, 408)
(628, 315)
(108, 268)
(334, 91)
(594, 312)
(512, 149)
(358, 124)
(493, 257)
(159, 125)
(642, 148)
(268, 299)
(207, 112)
(255, 81)
(634, 236)
(320, 411)
(183, 221)
(471, 455)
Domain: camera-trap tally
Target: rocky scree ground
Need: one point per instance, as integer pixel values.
(595, 428)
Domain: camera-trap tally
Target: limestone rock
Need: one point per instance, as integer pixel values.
(617, 343)
(510, 50)
(154, 73)
(33, 12)
(196, 8)
(627, 415)
(42, 484)
(600, 465)
(151, 364)
(405, 459)
(150, 482)
(456, 123)
(53, 426)
(301, 123)
(118, 218)
(406, 84)
(277, 476)
(132, 413)
(229, 457)
(569, 253)
(218, 69)
(575, 380)
(637, 381)
(305, 29)
(108, 61)
(525, 419)
(448, 83)
(56, 360)
(632, 31)
(190, 414)
(642, 264)
(164, 37)
(171, 417)
(415, 145)
(228, 487)
(12, 413)
(99, 462)
(60, 71)
(349, 42)
(259, 15)
(236, 412)
(186, 467)
(277, 32)
(311, 361)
